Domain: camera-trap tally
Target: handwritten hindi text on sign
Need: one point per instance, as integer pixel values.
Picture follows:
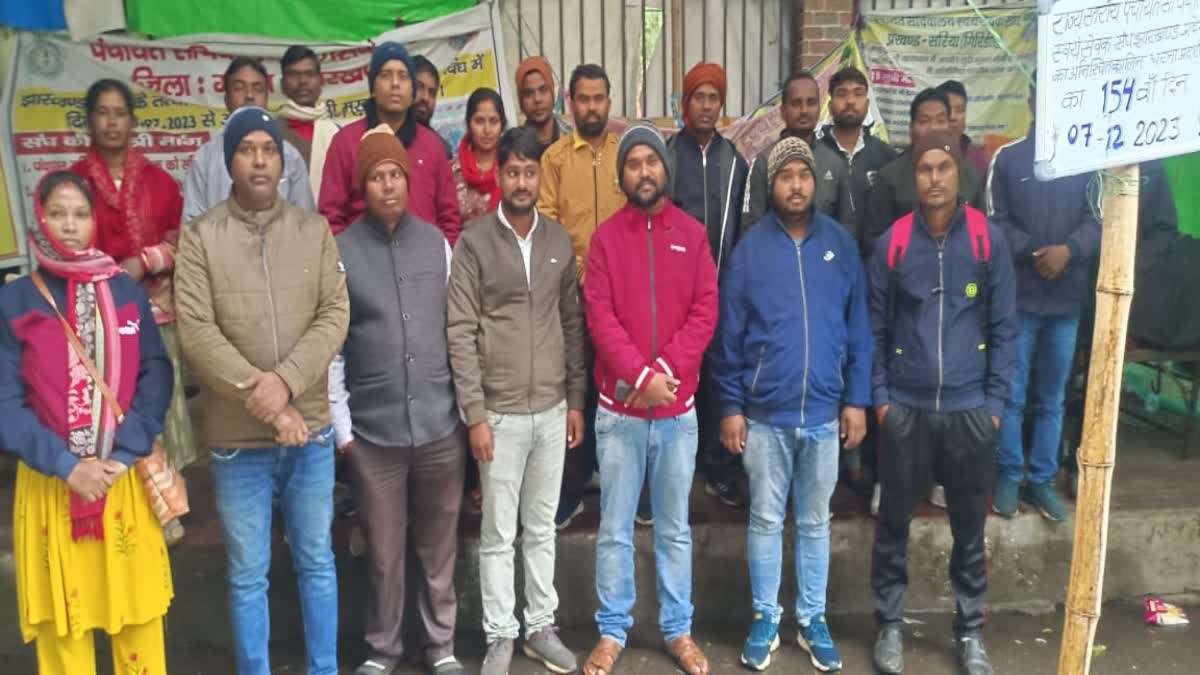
(1118, 83)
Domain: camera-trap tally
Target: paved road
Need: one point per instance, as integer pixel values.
(1019, 644)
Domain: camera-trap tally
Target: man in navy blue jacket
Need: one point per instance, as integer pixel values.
(1054, 233)
(708, 180)
(794, 367)
(943, 313)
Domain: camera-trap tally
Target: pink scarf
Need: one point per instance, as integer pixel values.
(483, 183)
(91, 312)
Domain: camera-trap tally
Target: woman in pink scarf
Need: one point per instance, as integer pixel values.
(475, 166)
(90, 553)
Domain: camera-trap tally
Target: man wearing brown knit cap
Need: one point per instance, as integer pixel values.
(708, 182)
(406, 460)
(536, 94)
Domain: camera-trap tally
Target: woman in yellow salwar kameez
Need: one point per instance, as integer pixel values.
(90, 554)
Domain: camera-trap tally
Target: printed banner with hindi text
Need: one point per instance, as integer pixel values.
(992, 51)
(179, 94)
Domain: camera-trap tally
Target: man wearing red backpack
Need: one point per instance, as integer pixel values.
(943, 310)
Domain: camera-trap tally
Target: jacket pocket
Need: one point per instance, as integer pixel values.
(762, 353)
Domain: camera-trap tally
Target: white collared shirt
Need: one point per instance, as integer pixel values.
(523, 243)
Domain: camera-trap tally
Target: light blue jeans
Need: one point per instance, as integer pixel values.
(804, 462)
(627, 447)
(1049, 343)
(246, 481)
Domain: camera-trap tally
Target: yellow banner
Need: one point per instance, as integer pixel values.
(991, 52)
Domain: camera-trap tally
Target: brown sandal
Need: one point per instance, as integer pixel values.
(604, 655)
(689, 657)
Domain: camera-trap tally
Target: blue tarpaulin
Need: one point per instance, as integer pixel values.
(33, 14)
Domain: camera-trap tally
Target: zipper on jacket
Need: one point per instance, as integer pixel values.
(803, 301)
(941, 315)
(270, 298)
(725, 214)
(595, 193)
(704, 188)
(653, 298)
(529, 313)
(762, 352)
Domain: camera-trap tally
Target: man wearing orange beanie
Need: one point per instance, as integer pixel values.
(709, 179)
(536, 94)
(409, 447)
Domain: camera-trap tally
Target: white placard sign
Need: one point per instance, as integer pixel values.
(1118, 83)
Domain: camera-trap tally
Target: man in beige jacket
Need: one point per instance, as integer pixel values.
(262, 307)
(515, 333)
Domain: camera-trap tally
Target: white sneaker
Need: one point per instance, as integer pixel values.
(875, 501)
(937, 496)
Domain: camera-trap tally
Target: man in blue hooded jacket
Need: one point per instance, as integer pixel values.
(794, 369)
(943, 311)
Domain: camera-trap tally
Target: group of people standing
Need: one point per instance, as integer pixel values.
(541, 302)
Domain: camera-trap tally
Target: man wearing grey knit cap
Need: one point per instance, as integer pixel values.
(793, 366)
(651, 299)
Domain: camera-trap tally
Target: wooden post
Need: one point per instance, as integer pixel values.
(1098, 452)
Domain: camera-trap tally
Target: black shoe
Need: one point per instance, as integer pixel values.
(645, 514)
(889, 650)
(972, 656)
(728, 491)
(567, 513)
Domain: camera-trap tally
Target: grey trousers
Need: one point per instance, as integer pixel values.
(403, 490)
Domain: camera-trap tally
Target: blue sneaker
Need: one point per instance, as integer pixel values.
(1045, 497)
(816, 640)
(764, 639)
(1006, 499)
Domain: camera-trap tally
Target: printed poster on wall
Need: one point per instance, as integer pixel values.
(907, 53)
(179, 94)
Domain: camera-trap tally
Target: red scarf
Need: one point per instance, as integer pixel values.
(483, 183)
(126, 200)
(91, 423)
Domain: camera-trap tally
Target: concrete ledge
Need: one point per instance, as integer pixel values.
(1029, 560)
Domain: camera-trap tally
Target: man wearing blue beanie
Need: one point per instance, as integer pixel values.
(432, 193)
(245, 121)
(262, 309)
(208, 180)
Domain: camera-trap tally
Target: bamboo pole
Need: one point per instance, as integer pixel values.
(1097, 454)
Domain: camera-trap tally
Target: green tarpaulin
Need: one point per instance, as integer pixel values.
(1183, 172)
(315, 20)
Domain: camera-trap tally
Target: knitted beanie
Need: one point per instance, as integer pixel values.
(242, 123)
(786, 150)
(377, 146)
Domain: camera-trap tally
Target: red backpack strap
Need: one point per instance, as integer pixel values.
(977, 228)
(898, 243)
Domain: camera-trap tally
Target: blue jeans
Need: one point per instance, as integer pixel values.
(246, 481)
(627, 447)
(1050, 340)
(804, 461)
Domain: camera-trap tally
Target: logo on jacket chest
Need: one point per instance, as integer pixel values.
(131, 327)
(678, 249)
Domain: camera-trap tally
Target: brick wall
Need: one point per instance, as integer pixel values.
(826, 24)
